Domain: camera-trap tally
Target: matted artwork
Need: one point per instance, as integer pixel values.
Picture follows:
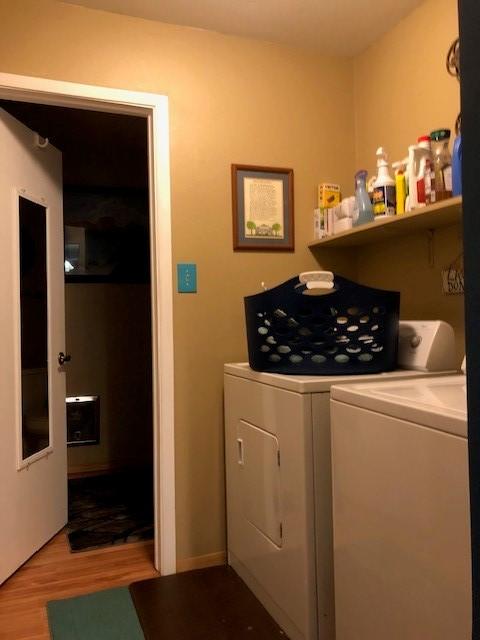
(262, 199)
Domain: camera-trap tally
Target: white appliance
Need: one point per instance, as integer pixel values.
(278, 473)
(401, 510)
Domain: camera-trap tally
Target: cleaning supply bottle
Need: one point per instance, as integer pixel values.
(442, 161)
(411, 200)
(364, 205)
(457, 166)
(370, 187)
(419, 170)
(400, 169)
(384, 188)
(426, 175)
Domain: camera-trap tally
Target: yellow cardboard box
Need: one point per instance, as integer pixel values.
(328, 195)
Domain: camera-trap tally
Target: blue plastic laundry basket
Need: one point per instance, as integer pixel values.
(351, 330)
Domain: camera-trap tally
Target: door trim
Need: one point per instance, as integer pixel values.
(155, 109)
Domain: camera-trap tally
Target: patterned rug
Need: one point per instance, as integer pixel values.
(110, 509)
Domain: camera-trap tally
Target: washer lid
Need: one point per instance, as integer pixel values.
(440, 403)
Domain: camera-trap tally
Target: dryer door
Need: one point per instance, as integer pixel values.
(259, 461)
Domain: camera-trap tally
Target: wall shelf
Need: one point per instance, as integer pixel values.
(441, 214)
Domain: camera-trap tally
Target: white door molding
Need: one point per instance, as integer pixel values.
(155, 108)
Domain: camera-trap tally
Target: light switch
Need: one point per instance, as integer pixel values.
(187, 278)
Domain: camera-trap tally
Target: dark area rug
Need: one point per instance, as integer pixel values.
(205, 604)
(110, 509)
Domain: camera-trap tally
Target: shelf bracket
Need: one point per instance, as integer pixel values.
(431, 247)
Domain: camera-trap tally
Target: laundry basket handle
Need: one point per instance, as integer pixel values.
(317, 283)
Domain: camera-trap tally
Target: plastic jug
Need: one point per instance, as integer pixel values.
(384, 203)
(426, 182)
(400, 169)
(457, 167)
(418, 164)
(443, 163)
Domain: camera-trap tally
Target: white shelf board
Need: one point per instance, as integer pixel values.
(441, 214)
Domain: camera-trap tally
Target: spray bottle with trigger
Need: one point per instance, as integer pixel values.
(384, 203)
(421, 182)
(363, 202)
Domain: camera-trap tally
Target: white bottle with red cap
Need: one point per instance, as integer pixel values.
(426, 185)
(420, 174)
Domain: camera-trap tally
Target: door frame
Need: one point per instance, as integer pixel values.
(155, 109)
(469, 19)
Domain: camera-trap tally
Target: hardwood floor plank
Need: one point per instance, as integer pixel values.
(55, 573)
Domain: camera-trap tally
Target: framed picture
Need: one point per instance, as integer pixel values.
(262, 199)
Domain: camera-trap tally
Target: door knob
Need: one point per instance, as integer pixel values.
(63, 358)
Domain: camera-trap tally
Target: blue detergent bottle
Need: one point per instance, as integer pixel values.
(364, 204)
(457, 166)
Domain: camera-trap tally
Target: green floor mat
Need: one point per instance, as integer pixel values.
(105, 615)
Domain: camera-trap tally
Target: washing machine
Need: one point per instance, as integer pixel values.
(278, 479)
(401, 510)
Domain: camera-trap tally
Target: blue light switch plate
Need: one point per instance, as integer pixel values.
(187, 278)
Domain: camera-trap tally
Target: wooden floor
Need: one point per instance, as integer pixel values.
(54, 573)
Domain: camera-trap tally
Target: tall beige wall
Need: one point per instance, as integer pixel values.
(402, 91)
(231, 100)
(244, 101)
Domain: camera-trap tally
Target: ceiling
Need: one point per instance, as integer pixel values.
(331, 27)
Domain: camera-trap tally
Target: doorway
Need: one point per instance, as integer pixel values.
(153, 110)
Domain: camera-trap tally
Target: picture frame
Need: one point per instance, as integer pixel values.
(262, 204)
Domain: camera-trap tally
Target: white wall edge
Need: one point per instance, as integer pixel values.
(155, 108)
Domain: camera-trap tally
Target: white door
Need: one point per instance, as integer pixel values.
(33, 481)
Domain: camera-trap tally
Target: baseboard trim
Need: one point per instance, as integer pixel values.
(202, 562)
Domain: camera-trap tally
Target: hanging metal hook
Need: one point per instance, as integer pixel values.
(40, 142)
